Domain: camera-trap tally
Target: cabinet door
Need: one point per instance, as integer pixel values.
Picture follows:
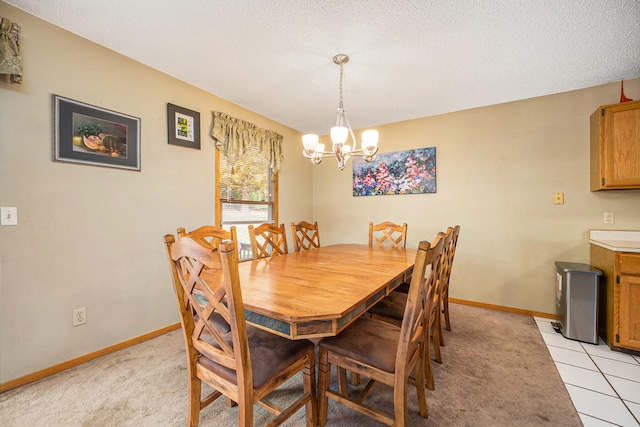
(621, 146)
(629, 312)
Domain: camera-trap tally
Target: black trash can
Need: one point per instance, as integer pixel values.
(577, 287)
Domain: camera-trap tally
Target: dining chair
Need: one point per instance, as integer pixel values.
(445, 269)
(388, 234)
(382, 352)
(208, 234)
(211, 236)
(268, 240)
(305, 235)
(246, 364)
(445, 287)
(391, 309)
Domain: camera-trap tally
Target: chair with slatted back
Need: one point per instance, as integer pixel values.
(210, 235)
(305, 235)
(382, 352)
(445, 287)
(245, 364)
(388, 234)
(268, 240)
(391, 308)
(445, 270)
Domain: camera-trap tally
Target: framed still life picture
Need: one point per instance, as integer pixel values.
(92, 135)
(401, 172)
(184, 126)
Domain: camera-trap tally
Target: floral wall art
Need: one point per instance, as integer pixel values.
(400, 172)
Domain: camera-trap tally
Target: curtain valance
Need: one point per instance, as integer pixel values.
(10, 56)
(237, 136)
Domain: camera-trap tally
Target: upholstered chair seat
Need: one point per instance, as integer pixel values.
(270, 355)
(369, 341)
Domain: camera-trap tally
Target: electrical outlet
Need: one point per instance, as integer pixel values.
(608, 217)
(79, 316)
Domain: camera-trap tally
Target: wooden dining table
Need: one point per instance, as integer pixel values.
(319, 292)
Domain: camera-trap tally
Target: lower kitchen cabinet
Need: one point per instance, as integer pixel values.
(619, 302)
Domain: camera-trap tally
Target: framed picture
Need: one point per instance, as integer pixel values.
(184, 126)
(401, 172)
(94, 136)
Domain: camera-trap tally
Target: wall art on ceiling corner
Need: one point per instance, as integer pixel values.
(400, 172)
(91, 135)
(183, 126)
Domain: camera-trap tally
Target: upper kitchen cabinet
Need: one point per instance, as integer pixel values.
(615, 147)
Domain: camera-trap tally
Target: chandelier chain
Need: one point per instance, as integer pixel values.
(341, 74)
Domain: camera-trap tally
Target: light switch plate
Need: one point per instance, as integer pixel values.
(558, 198)
(8, 216)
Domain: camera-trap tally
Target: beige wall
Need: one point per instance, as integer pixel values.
(497, 170)
(91, 236)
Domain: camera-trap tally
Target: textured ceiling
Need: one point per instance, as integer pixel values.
(409, 59)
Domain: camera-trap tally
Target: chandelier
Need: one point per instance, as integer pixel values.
(340, 134)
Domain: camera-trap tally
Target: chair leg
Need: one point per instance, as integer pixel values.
(195, 390)
(400, 410)
(324, 380)
(355, 378)
(436, 341)
(428, 366)
(420, 385)
(445, 303)
(440, 329)
(342, 381)
(245, 411)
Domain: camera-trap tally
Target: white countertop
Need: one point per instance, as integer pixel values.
(620, 241)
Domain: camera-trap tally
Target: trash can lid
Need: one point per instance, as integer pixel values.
(576, 267)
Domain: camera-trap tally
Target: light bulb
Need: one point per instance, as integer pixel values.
(339, 134)
(310, 142)
(370, 139)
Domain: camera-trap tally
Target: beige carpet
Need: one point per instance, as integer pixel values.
(496, 372)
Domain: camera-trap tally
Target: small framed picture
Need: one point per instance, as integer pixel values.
(95, 136)
(184, 126)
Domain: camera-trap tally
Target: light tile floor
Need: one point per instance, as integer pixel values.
(604, 385)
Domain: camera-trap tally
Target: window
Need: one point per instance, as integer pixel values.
(247, 190)
(246, 194)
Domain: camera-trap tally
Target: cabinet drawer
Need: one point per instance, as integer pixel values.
(628, 263)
